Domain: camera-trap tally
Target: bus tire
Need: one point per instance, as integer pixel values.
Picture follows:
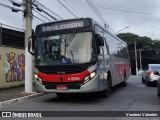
(105, 93)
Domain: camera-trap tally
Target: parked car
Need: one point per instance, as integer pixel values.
(158, 87)
(140, 72)
(151, 74)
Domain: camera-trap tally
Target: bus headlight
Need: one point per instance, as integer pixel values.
(89, 77)
(38, 79)
(36, 76)
(92, 75)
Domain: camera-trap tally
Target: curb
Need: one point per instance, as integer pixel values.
(18, 100)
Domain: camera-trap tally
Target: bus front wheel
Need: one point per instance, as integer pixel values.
(105, 93)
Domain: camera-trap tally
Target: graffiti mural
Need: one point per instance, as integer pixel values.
(14, 67)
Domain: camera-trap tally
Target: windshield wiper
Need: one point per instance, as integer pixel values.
(71, 38)
(72, 56)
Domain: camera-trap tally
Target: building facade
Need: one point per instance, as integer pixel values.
(12, 57)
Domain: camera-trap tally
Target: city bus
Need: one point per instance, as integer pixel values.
(78, 56)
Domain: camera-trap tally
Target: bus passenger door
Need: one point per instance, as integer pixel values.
(101, 61)
(100, 51)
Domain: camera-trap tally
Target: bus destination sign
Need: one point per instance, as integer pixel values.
(61, 26)
(64, 25)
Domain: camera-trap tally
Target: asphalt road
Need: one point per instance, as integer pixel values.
(136, 96)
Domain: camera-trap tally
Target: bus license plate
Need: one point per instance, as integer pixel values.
(61, 87)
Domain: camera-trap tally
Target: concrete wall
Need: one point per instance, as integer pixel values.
(12, 66)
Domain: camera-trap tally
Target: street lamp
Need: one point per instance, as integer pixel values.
(121, 30)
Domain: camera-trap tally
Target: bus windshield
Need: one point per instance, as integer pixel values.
(72, 48)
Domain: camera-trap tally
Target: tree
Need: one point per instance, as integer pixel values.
(151, 49)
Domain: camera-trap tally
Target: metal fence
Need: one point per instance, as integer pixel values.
(11, 36)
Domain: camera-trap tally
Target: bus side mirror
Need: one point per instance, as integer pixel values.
(100, 40)
(31, 45)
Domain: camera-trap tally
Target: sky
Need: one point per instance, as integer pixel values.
(141, 17)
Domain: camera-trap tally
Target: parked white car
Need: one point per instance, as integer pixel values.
(151, 74)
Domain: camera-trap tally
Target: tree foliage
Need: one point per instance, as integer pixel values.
(150, 49)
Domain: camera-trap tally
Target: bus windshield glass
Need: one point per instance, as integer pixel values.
(72, 48)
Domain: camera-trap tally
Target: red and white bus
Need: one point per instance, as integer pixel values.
(78, 56)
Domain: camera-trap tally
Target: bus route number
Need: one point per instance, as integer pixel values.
(73, 78)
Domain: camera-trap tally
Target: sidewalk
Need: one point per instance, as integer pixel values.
(15, 95)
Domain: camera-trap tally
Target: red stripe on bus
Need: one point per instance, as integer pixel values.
(64, 77)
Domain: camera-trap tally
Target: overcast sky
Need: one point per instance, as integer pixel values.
(141, 16)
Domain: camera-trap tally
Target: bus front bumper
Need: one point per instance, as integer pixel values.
(90, 86)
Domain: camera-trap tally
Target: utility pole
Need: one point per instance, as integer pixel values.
(28, 57)
(140, 59)
(135, 49)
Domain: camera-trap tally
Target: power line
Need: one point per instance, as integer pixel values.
(93, 10)
(67, 8)
(112, 6)
(41, 15)
(90, 3)
(30, 14)
(120, 10)
(41, 10)
(127, 10)
(97, 11)
(12, 8)
(72, 7)
(48, 9)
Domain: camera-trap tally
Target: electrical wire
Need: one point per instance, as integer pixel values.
(41, 15)
(67, 8)
(12, 8)
(41, 9)
(48, 9)
(119, 10)
(97, 11)
(73, 8)
(30, 14)
(112, 6)
(90, 3)
(93, 9)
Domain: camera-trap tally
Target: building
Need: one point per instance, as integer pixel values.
(12, 57)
